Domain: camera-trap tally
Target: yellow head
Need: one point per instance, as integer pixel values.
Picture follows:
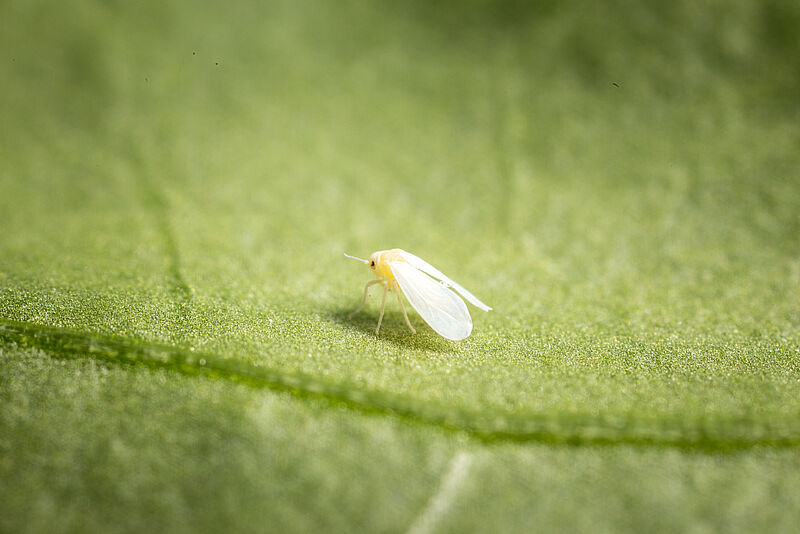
(379, 262)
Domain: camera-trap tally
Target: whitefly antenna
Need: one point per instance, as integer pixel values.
(357, 259)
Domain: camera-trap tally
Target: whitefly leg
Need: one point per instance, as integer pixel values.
(364, 298)
(383, 307)
(403, 307)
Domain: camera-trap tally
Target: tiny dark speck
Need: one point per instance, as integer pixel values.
(216, 63)
(146, 79)
(615, 84)
(194, 53)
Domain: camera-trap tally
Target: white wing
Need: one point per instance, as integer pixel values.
(426, 267)
(442, 309)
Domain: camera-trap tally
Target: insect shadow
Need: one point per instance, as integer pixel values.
(393, 329)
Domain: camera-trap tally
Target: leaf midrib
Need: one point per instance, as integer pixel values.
(567, 428)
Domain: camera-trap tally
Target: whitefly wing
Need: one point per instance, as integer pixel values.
(426, 267)
(442, 309)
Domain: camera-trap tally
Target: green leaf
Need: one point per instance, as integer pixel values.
(178, 183)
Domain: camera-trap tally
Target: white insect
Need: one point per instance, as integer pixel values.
(441, 308)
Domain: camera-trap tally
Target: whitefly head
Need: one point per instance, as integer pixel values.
(373, 260)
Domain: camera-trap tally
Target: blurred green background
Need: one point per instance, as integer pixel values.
(178, 182)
